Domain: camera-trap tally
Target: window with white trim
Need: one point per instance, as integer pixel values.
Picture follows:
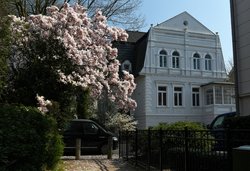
(175, 59)
(178, 96)
(209, 96)
(208, 63)
(162, 95)
(163, 58)
(218, 95)
(196, 96)
(196, 61)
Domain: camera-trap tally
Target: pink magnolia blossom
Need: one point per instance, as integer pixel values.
(89, 47)
(43, 104)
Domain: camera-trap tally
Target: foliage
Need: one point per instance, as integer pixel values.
(119, 12)
(180, 125)
(83, 42)
(29, 141)
(195, 132)
(122, 122)
(4, 53)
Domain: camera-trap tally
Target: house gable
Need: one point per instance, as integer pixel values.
(184, 21)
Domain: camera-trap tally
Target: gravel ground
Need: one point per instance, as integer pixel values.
(97, 163)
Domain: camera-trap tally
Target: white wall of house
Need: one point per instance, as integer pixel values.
(186, 39)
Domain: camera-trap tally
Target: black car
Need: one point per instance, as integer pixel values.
(94, 138)
(218, 128)
(219, 122)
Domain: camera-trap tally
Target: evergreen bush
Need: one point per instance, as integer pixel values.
(29, 141)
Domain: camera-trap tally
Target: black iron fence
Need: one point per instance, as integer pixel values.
(182, 150)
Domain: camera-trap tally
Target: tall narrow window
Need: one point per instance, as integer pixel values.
(196, 61)
(176, 59)
(162, 96)
(209, 96)
(195, 96)
(218, 95)
(178, 100)
(208, 63)
(163, 58)
(227, 92)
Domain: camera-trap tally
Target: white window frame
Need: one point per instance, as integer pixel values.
(209, 98)
(196, 61)
(162, 92)
(175, 60)
(180, 103)
(208, 62)
(163, 59)
(196, 95)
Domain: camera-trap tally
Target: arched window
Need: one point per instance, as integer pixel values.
(163, 58)
(126, 65)
(175, 59)
(208, 62)
(196, 61)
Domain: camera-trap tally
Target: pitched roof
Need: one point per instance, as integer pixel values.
(185, 21)
(134, 36)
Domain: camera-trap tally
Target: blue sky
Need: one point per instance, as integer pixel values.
(214, 14)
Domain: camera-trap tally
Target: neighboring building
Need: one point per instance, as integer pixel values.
(240, 17)
(179, 71)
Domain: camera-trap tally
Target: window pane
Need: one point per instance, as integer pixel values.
(164, 99)
(161, 88)
(175, 53)
(175, 99)
(195, 90)
(159, 99)
(218, 95)
(180, 99)
(178, 89)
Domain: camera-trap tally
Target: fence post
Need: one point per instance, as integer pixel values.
(149, 149)
(161, 149)
(229, 148)
(136, 147)
(110, 144)
(186, 148)
(78, 149)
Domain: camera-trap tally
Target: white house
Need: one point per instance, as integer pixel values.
(179, 71)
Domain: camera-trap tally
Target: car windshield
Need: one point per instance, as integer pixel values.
(219, 122)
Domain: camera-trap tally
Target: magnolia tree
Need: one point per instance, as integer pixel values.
(88, 44)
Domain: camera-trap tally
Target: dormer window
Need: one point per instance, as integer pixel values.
(196, 61)
(126, 65)
(163, 58)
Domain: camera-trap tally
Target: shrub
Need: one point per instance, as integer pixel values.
(29, 141)
(198, 135)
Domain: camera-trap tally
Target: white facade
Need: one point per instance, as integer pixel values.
(182, 57)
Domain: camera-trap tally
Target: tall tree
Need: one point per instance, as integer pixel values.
(72, 50)
(121, 13)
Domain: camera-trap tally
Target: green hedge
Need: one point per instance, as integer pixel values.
(29, 141)
(197, 133)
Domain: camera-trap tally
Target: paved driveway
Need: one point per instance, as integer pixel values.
(97, 163)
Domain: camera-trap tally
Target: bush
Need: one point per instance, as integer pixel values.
(197, 135)
(29, 141)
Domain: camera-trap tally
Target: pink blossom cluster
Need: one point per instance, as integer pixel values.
(89, 44)
(43, 104)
